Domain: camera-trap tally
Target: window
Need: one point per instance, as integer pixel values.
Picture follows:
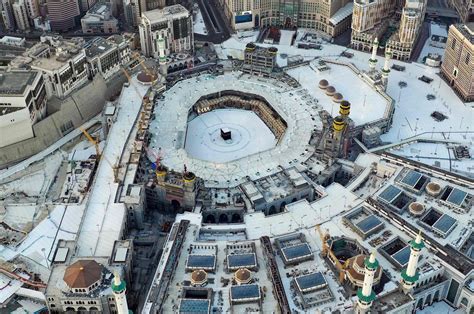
(468, 58)
(453, 43)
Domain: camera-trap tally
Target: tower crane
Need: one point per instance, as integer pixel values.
(327, 251)
(98, 153)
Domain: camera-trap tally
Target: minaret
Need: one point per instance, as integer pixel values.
(366, 295)
(119, 288)
(161, 50)
(410, 275)
(386, 68)
(373, 58)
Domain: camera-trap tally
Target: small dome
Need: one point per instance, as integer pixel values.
(146, 78)
(198, 277)
(323, 84)
(416, 208)
(330, 90)
(433, 188)
(242, 276)
(337, 97)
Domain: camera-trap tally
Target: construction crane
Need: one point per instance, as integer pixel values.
(136, 56)
(327, 251)
(98, 154)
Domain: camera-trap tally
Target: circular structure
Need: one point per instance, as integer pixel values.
(345, 108)
(250, 47)
(83, 274)
(416, 208)
(231, 127)
(146, 79)
(337, 97)
(243, 276)
(330, 90)
(338, 124)
(249, 135)
(198, 277)
(323, 84)
(433, 189)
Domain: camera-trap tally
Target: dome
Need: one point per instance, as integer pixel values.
(82, 274)
(337, 97)
(330, 90)
(323, 84)
(146, 78)
(198, 277)
(250, 46)
(433, 188)
(416, 208)
(242, 276)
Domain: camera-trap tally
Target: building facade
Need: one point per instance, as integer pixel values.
(172, 24)
(7, 14)
(20, 13)
(63, 14)
(22, 103)
(465, 9)
(99, 20)
(329, 17)
(458, 62)
(107, 56)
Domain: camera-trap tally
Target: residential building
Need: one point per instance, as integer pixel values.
(398, 21)
(107, 56)
(458, 62)
(99, 19)
(402, 42)
(7, 14)
(22, 104)
(329, 17)
(173, 25)
(465, 9)
(370, 20)
(63, 64)
(21, 15)
(63, 14)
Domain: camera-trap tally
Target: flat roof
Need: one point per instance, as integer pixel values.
(369, 223)
(15, 82)
(402, 256)
(165, 13)
(201, 261)
(195, 306)
(245, 292)
(390, 194)
(444, 224)
(247, 260)
(456, 197)
(61, 254)
(311, 281)
(296, 251)
(121, 254)
(411, 178)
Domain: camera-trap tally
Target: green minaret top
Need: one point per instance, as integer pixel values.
(118, 285)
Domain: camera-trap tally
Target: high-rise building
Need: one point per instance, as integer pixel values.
(371, 20)
(21, 15)
(63, 14)
(465, 9)
(131, 10)
(7, 14)
(330, 17)
(458, 62)
(32, 8)
(174, 24)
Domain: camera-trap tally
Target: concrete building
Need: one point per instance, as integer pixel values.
(107, 56)
(376, 19)
(458, 62)
(63, 14)
(131, 10)
(32, 7)
(63, 64)
(99, 20)
(7, 14)
(174, 24)
(259, 60)
(23, 103)
(21, 15)
(329, 17)
(464, 8)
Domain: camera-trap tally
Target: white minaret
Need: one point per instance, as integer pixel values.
(373, 58)
(161, 50)
(410, 275)
(386, 67)
(366, 295)
(119, 289)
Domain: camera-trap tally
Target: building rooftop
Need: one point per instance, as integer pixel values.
(168, 12)
(15, 82)
(97, 47)
(82, 274)
(467, 30)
